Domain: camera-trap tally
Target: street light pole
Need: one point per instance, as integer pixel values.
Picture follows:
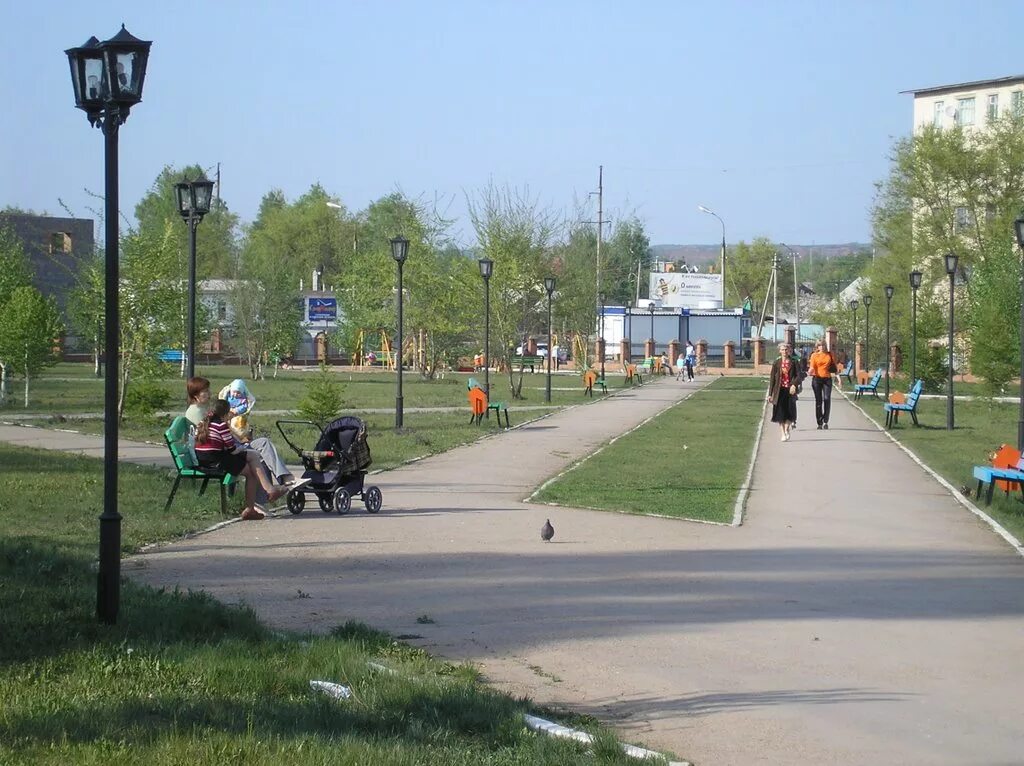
(193, 198)
(951, 259)
(629, 331)
(703, 209)
(853, 305)
(796, 289)
(1018, 226)
(399, 251)
(549, 286)
(915, 283)
(604, 351)
(889, 291)
(108, 78)
(867, 331)
(486, 269)
(653, 342)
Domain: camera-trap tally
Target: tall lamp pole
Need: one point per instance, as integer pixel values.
(629, 331)
(853, 305)
(653, 343)
(867, 331)
(486, 269)
(193, 199)
(108, 79)
(549, 287)
(604, 352)
(399, 251)
(915, 283)
(889, 291)
(1018, 226)
(951, 259)
(703, 209)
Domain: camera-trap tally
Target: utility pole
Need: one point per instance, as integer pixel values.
(775, 298)
(600, 225)
(218, 186)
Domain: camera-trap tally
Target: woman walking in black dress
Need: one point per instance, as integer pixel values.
(782, 383)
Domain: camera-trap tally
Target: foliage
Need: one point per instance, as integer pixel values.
(147, 397)
(995, 346)
(749, 271)
(14, 273)
(322, 401)
(30, 330)
(933, 367)
(627, 247)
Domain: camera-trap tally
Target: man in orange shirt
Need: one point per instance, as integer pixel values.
(820, 367)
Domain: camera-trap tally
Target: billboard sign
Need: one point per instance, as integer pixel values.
(323, 310)
(678, 289)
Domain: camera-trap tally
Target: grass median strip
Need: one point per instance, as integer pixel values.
(184, 679)
(688, 462)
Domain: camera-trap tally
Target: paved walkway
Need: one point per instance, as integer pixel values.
(864, 618)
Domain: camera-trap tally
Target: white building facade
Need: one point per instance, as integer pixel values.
(970, 105)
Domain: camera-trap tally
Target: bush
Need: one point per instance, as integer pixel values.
(933, 368)
(144, 397)
(322, 401)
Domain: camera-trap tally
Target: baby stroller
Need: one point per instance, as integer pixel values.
(336, 467)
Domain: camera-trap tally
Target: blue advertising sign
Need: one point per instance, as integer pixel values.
(323, 309)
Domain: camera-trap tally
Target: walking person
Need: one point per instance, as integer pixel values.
(691, 359)
(821, 367)
(782, 384)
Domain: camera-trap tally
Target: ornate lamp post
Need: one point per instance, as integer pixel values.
(399, 251)
(853, 305)
(629, 331)
(549, 286)
(193, 199)
(951, 260)
(915, 284)
(1018, 227)
(867, 330)
(604, 352)
(108, 79)
(650, 308)
(486, 269)
(889, 291)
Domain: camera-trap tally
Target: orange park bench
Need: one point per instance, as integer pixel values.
(1006, 470)
(633, 376)
(479, 406)
(590, 380)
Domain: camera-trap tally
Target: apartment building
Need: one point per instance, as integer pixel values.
(968, 104)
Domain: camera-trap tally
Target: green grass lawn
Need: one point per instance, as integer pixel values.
(184, 679)
(71, 388)
(689, 462)
(981, 427)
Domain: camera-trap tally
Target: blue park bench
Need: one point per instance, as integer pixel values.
(171, 355)
(990, 474)
(893, 409)
(870, 387)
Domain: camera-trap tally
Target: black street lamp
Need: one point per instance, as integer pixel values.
(193, 199)
(853, 305)
(867, 330)
(1018, 226)
(915, 284)
(549, 286)
(604, 352)
(486, 269)
(399, 251)
(650, 308)
(951, 260)
(889, 291)
(108, 79)
(629, 331)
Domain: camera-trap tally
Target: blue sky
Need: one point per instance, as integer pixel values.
(778, 115)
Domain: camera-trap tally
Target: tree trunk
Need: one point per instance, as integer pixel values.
(26, 380)
(3, 382)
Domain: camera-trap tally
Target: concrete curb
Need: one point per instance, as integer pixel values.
(553, 729)
(744, 493)
(998, 528)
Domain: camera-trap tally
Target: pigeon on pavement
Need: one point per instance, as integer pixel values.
(547, 531)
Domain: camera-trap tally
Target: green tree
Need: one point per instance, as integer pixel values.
(30, 332)
(14, 273)
(750, 270)
(627, 250)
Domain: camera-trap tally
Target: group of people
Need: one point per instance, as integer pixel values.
(223, 439)
(785, 383)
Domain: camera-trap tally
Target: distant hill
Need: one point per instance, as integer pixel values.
(698, 255)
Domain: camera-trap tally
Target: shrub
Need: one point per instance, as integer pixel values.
(322, 401)
(144, 397)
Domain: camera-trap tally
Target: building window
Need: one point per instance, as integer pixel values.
(60, 242)
(222, 310)
(992, 108)
(961, 219)
(965, 111)
(1017, 103)
(937, 113)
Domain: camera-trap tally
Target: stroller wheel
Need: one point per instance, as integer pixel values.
(342, 500)
(373, 499)
(326, 502)
(296, 501)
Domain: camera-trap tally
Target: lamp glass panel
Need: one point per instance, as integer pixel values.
(951, 260)
(867, 300)
(549, 284)
(915, 279)
(203, 194)
(486, 267)
(889, 290)
(1018, 226)
(181, 191)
